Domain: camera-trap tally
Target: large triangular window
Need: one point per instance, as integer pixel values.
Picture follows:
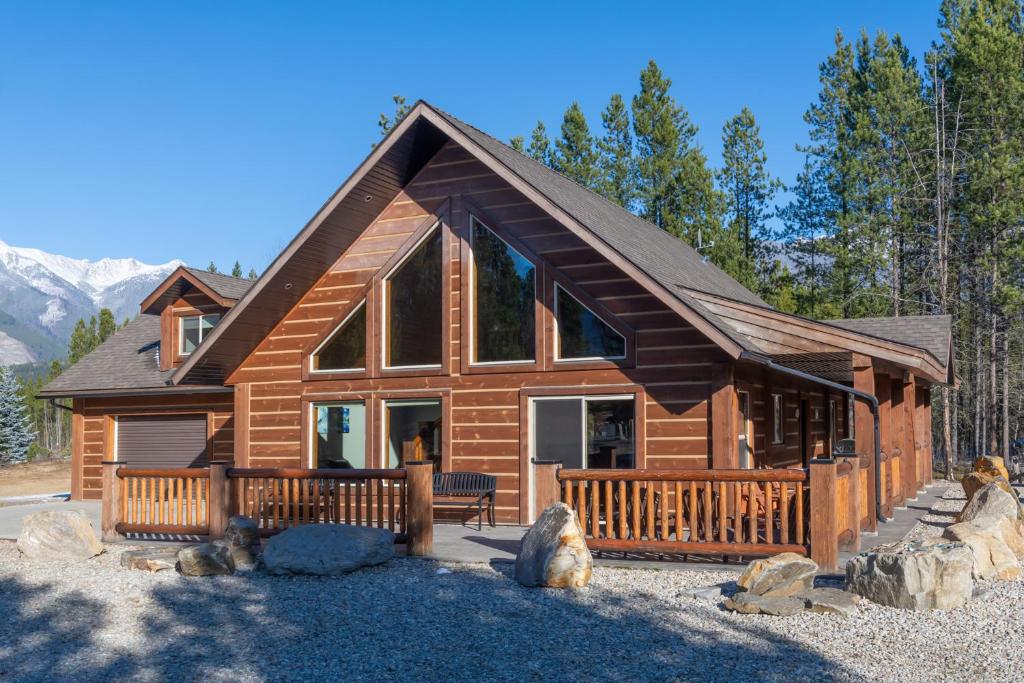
(582, 335)
(503, 295)
(412, 307)
(345, 349)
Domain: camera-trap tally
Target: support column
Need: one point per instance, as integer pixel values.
(546, 489)
(883, 391)
(419, 507)
(912, 478)
(864, 435)
(241, 422)
(853, 504)
(219, 501)
(824, 525)
(724, 407)
(110, 508)
(77, 447)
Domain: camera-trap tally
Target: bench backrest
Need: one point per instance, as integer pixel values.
(454, 483)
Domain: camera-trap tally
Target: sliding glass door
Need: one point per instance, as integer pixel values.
(584, 431)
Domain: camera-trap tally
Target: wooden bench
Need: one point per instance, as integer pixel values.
(456, 487)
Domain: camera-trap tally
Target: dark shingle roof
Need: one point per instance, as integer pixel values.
(225, 285)
(928, 332)
(664, 257)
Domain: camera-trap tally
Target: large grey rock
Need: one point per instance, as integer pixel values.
(913, 576)
(776, 605)
(990, 501)
(327, 549)
(995, 543)
(243, 558)
(150, 559)
(242, 532)
(553, 552)
(779, 575)
(205, 559)
(830, 601)
(58, 534)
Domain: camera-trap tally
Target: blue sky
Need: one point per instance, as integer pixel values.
(214, 131)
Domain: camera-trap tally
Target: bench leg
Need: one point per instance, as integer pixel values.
(480, 514)
(490, 512)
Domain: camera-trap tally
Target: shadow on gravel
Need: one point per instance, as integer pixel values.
(400, 622)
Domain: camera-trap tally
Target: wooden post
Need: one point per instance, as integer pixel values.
(546, 490)
(419, 506)
(912, 478)
(824, 526)
(77, 447)
(110, 510)
(724, 409)
(864, 432)
(855, 513)
(220, 499)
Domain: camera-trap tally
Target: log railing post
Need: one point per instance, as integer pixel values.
(219, 502)
(854, 512)
(824, 523)
(110, 510)
(546, 489)
(419, 497)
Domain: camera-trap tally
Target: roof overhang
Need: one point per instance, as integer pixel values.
(176, 284)
(153, 391)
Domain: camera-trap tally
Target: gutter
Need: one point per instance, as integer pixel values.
(871, 400)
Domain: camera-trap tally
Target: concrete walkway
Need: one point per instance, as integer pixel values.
(12, 516)
(900, 525)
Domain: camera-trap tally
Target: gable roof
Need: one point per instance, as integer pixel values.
(227, 286)
(929, 332)
(125, 362)
(223, 289)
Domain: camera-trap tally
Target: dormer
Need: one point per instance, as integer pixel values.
(190, 303)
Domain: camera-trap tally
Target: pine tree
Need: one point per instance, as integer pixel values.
(616, 166)
(386, 123)
(252, 274)
(16, 433)
(574, 155)
(236, 270)
(82, 341)
(212, 268)
(106, 326)
(518, 143)
(540, 145)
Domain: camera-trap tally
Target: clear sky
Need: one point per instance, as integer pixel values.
(215, 130)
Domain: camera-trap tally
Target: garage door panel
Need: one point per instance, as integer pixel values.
(162, 440)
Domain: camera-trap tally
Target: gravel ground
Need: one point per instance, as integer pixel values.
(95, 621)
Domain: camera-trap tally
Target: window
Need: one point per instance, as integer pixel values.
(412, 296)
(778, 420)
(345, 349)
(412, 431)
(585, 432)
(504, 289)
(193, 330)
(340, 436)
(581, 334)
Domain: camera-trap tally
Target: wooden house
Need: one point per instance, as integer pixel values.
(456, 301)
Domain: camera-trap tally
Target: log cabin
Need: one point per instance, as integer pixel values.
(456, 301)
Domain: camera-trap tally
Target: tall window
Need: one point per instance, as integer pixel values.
(585, 431)
(193, 330)
(340, 436)
(778, 420)
(504, 289)
(346, 348)
(583, 335)
(412, 295)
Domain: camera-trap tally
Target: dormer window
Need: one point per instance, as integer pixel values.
(193, 329)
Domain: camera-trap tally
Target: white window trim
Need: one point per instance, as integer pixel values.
(311, 455)
(328, 338)
(384, 305)
(558, 334)
(181, 330)
(471, 287)
(583, 399)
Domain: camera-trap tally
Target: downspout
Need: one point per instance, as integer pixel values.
(872, 404)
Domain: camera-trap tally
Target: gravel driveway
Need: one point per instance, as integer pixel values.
(95, 621)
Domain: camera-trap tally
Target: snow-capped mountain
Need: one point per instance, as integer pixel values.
(43, 295)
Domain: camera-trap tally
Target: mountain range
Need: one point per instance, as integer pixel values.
(43, 295)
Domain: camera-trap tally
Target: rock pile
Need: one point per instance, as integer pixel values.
(553, 552)
(783, 585)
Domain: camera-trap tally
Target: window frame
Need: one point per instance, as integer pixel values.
(557, 336)
(310, 355)
(471, 295)
(181, 353)
(778, 406)
(310, 412)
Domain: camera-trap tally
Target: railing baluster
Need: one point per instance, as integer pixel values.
(692, 504)
(723, 514)
(664, 511)
(581, 507)
(708, 526)
(595, 509)
(636, 511)
(623, 508)
(679, 511)
(609, 510)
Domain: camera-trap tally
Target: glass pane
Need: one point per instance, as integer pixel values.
(502, 300)
(581, 334)
(558, 432)
(414, 308)
(414, 432)
(346, 350)
(610, 426)
(340, 436)
(208, 323)
(189, 334)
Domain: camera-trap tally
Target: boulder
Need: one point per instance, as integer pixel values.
(58, 534)
(974, 481)
(990, 501)
(242, 532)
(991, 465)
(913, 576)
(327, 549)
(745, 602)
(205, 559)
(779, 575)
(243, 557)
(553, 552)
(150, 559)
(993, 558)
(830, 601)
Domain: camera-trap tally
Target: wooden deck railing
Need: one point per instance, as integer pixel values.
(730, 512)
(282, 498)
(201, 500)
